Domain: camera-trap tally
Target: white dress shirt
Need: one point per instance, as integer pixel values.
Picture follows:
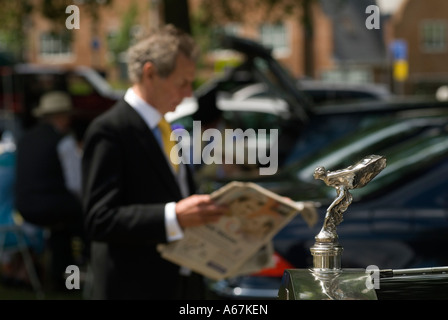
(70, 156)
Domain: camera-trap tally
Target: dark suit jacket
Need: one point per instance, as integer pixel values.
(41, 195)
(127, 182)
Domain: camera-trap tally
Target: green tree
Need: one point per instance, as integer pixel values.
(123, 39)
(15, 19)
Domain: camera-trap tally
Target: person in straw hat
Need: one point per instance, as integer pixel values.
(42, 195)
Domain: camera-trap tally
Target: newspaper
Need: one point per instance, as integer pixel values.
(240, 242)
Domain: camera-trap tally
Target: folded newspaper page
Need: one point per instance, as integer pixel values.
(240, 242)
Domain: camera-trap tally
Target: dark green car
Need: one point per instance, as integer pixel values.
(397, 222)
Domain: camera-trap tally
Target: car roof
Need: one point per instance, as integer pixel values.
(24, 68)
(391, 104)
(270, 106)
(377, 90)
(95, 79)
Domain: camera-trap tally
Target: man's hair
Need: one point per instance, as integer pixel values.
(160, 48)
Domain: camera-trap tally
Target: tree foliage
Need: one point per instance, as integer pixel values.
(123, 39)
(13, 23)
(216, 12)
(15, 17)
(271, 10)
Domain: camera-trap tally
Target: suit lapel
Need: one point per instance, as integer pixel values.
(156, 157)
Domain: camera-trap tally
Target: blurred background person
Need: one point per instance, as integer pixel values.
(12, 265)
(44, 195)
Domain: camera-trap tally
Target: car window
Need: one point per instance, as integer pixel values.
(417, 166)
(251, 120)
(7, 80)
(281, 85)
(36, 84)
(406, 161)
(97, 82)
(78, 86)
(368, 140)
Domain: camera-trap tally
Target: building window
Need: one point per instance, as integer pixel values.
(433, 35)
(275, 36)
(55, 45)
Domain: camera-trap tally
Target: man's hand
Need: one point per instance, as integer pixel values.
(197, 210)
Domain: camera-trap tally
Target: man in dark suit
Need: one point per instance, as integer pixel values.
(134, 199)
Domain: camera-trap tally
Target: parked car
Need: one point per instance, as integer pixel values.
(22, 85)
(382, 227)
(397, 222)
(322, 92)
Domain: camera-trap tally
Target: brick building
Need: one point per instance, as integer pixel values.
(118, 23)
(92, 44)
(423, 25)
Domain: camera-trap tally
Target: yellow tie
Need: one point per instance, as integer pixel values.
(168, 145)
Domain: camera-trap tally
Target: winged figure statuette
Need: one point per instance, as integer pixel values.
(352, 177)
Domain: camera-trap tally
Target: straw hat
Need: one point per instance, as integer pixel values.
(53, 103)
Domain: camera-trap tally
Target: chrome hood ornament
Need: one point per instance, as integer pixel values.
(327, 251)
(353, 177)
(327, 280)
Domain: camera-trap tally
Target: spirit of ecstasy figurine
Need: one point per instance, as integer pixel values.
(352, 177)
(327, 279)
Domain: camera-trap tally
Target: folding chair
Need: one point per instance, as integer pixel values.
(22, 246)
(8, 225)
